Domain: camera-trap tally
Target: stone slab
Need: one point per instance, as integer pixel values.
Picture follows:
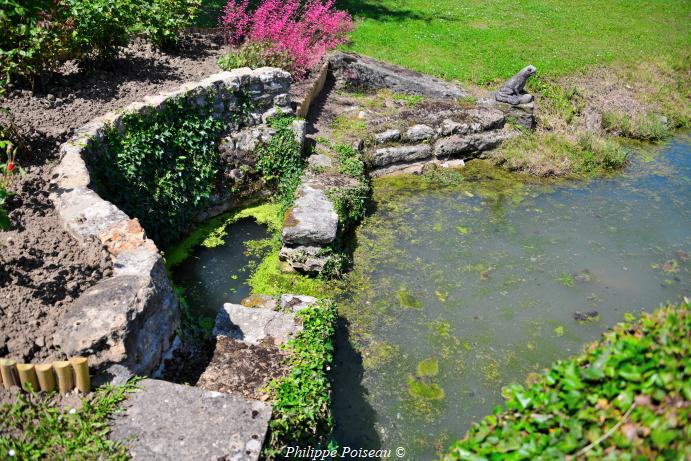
(312, 220)
(255, 325)
(167, 421)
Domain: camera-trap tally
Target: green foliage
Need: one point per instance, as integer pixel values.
(280, 161)
(557, 100)
(350, 204)
(4, 218)
(649, 127)
(165, 19)
(254, 55)
(164, 168)
(302, 404)
(627, 397)
(410, 100)
(102, 26)
(35, 39)
(350, 162)
(35, 428)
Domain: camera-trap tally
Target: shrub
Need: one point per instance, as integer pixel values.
(7, 172)
(102, 26)
(627, 397)
(164, 168)
(35, 39)
(165, 19)
(305, 33)
(649, 127)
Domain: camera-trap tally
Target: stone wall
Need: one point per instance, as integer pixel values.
(126, 322)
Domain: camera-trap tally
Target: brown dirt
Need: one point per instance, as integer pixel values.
(42, 269)
(242, 368)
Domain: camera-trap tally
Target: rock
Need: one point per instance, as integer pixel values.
(387, 136)
(255, 325)
(456, 145)
(305, 258)
(296, 303)
(312, 220)
(320, 161)
(388, 155)
(419, 133)
(299, 127)
(128, 319)
(585, 316)
(449, 127)
(365, 73)
(165, 421)
(362, 115)
(459, 163)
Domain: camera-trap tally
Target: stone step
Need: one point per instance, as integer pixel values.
(167, 421)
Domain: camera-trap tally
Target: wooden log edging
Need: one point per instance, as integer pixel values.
(68, 374)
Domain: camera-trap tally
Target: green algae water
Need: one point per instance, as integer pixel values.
(461, 289)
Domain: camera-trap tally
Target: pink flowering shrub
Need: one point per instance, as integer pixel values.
(304, 33)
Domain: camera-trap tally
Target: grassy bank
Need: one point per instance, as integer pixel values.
(481, 41)
(626, 397)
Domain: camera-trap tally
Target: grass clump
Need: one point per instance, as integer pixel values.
(552, 154)
(626, 397)
(649, 127)
(302, 402)
(33, 427)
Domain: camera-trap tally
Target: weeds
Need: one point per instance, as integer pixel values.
(649, 127)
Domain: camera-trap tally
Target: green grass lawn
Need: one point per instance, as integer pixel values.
(481, 41)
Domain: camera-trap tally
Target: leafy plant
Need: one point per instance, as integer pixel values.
(165, 19)
(255, 55)
(627, 397)
(102, 26)
(35, 40)
(302, 403)
(280, 161)
(350, 163)
(304, 32)
(164, 168)
(7, 172)
(33, 427)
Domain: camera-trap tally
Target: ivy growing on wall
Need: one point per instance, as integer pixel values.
(164, 168)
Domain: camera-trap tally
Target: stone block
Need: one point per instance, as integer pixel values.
(255, 325)
(387, 136)
(388, 155)
(312, 220)
(167, 421)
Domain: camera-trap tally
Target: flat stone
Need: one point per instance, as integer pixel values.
(417, 133)
(305, 258)
(296, 303)
(449, 127)
(166, 421)
(320, 161)
(388, 155)
(312, 220)
(387, 136)
(457, 145)
(362, 72)
(255, 325)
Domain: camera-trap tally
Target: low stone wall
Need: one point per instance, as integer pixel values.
(126, 322)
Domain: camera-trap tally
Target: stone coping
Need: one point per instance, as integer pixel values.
(130, 318)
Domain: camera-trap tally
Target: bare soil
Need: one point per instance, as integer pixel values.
(42, 269)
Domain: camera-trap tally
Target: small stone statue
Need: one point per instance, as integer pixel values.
(512, 91)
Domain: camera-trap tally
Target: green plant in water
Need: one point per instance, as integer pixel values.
(33, 427)
(428, 367)
(566, 280)
(626, 397)
(424, 390)
(407, 300)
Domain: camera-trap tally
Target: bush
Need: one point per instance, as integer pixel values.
(35, 39)
(102, 26)
(305, 33)
(627, 397)
(165, 19)
(163, 169)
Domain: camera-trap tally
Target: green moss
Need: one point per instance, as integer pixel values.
(212, 233)
(422, 389)
(407, 300)
(269, 279)
(379, 353)
(428, 367)
(346, 128)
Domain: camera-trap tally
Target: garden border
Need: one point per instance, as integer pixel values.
(126, 322)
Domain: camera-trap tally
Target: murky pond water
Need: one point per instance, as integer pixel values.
(460, 290)
(211, 277)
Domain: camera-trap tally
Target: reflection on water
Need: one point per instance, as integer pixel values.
(459, 292)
